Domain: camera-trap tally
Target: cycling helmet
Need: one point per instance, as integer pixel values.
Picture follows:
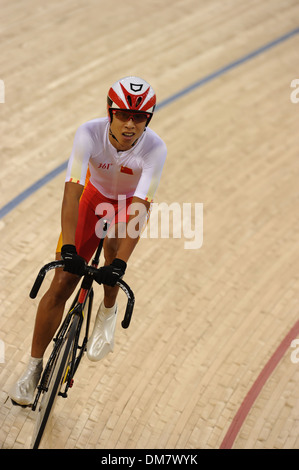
(132, 93)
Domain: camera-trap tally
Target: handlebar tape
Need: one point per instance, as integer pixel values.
(41, 276)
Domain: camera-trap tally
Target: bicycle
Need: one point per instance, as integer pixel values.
(58, 375)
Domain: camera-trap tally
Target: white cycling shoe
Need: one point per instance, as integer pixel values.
(22, 392)
(101, 342)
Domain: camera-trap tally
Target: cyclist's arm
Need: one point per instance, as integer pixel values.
(69, 211)
(140, 208)
(153, 164)
(74, 182)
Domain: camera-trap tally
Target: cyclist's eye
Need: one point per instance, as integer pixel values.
(122, 116)
(138, 118)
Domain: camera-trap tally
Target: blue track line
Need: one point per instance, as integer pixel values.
(32, 189)
(48, 177)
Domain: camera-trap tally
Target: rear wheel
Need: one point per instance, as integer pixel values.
(57, 379)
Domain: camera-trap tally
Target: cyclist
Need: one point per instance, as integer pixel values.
(115, 166)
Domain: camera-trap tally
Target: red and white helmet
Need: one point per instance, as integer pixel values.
(132, 93)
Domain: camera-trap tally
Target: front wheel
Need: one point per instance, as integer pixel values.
(57, 378)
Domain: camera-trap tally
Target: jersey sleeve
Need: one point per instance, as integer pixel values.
(151, 173)
(78, 161)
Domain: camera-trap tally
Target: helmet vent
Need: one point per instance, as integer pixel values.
(138, 101)
(129, 99)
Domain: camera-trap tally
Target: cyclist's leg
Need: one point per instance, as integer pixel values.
(48, 317)
(101, 341)
(50, 310)
(116, 233)
(111, 245)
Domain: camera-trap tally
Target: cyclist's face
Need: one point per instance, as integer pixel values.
(126, 132)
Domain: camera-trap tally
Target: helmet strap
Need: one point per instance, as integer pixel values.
(112, 135)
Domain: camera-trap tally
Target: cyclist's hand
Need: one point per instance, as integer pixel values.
(109, 275)
(74, 263)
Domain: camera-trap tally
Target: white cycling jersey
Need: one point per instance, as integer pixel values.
(134, 172)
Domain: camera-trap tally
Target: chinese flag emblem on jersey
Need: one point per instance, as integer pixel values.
(125, 169)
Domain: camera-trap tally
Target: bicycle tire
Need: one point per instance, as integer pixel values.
(57, 379)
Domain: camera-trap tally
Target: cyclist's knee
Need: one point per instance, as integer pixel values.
(63, 285)
(110, 250)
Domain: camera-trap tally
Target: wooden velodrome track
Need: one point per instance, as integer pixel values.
(207, 362)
